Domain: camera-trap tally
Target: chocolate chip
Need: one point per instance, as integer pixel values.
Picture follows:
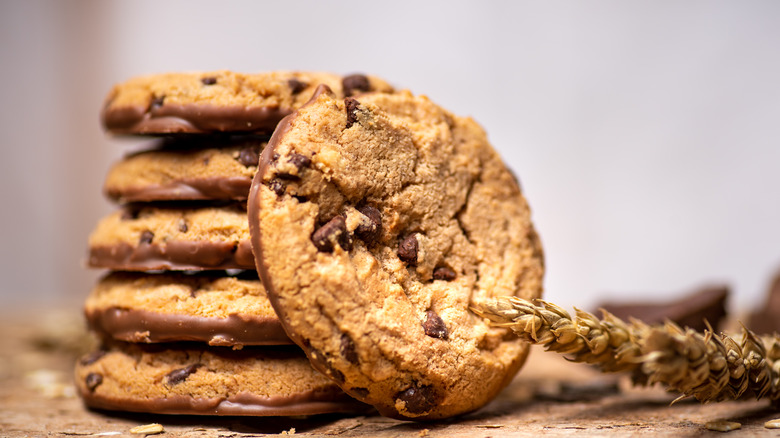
(157, 102)
(418, 399)
(434, 326)
(249, 157)
(369, 231)
(93, 380)
(210, 80)
(352, 107)
(300, 161)
(92, 357)
(354, 84)
(277, 186)
(177, 376)
(333, 231)
(359, 392)
(296, 86)
(317, 358)
(183, 225)
(130, 213)
(407, 249)
(146, 237)
(444, 273)
(348, 349)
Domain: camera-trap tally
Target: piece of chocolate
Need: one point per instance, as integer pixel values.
(296, 86)
(146, 237)
(707, 303)
(177, 376)
(209, 80)
(354, 84)
(371, 231)
(407, 249)
(352, 106)
(348, 349)
(434, 326)
(444, 273)
(93, 380)
(418, 399)
(333, 231)
(248, 156)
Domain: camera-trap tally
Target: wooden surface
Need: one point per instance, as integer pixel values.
(550, 397)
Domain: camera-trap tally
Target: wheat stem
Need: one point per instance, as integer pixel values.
(707, 366)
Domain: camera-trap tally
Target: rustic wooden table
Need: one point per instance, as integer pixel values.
(550, 397)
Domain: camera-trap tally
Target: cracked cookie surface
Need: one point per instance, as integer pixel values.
(184, 379)
(211, 307)
(149, 237)
(377, 221)
(219, 101)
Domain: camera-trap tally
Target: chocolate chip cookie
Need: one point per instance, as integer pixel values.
(211, 306)
(220, 101)
(185, 379)
(173, 237)
(376, 222)
(192, 169)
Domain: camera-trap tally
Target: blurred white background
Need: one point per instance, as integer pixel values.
(646, 134)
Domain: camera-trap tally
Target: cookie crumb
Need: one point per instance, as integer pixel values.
(148, 429)
(288, 432)
(424, 432)
(773, 424)
(722, 426)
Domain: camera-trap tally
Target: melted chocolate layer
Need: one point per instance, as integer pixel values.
(326, 400)
(150, 327)
(191, 118)
(190, 189)
(174, 255)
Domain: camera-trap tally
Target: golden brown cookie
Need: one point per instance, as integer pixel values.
(183, 379)
(211, 306)
(376, 223)
(183, 237)
(219, 101)
(211, 168)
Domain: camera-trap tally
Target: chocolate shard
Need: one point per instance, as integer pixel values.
(296, 85)
(354, 84)
(209, 80)
(177, 376)
(335, 231)
(300, 161)
(371, 230)
(434, 326)
(706, 303)
(93, 380)
(419, 399)
(407, 249)
(444, 273)
(351, 105)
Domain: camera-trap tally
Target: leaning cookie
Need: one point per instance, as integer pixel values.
(196, 169)
(376, 223)
(211, 307)
(144, 237)
(220, 101)
(182, 379)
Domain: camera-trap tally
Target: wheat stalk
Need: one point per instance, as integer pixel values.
(707, 366)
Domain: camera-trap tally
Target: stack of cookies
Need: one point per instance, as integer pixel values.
(375, 221)
(185, 323)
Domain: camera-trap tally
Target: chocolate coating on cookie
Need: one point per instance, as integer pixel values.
(387, 316)
(218, 102)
